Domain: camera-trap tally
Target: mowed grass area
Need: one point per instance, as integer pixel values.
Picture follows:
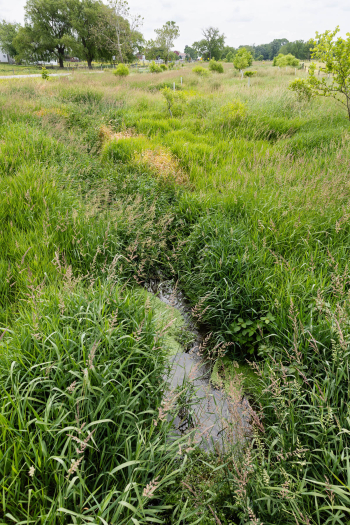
(248, 211)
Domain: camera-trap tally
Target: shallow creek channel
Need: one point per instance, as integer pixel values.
(210, 416)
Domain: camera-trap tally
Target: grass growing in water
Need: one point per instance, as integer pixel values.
(258, 239)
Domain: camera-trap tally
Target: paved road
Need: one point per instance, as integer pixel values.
(39, 75)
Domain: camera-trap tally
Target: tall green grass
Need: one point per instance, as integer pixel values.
(259, 244)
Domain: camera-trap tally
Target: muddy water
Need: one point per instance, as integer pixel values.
(211, 416)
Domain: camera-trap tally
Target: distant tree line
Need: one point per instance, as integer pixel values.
(213, 46)
(86, 29)
(93, 31)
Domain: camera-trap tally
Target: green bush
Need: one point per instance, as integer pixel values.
(250, 73)
(44, 73)
(122, 70)
(232, 113)
(163, 67)
(201, 71)
(285, 60)
(154, 68)
(216, 66)
(302, 89)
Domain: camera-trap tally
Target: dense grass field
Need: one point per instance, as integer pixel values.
(241, 196)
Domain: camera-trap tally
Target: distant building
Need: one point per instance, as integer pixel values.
(181, 56)
(4, 57)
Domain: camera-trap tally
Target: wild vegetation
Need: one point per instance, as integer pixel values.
(241, 197)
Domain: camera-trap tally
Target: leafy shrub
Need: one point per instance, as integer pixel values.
(154, 68)
(216, 66)
(44, 73)
(250, 73)
(121, 71)
(285, 60)
(163, 67)
(247, 333)
(201, 71)
(174, 101)
(302, 89)
(233, 112)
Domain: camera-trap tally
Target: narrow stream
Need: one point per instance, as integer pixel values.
(213, 416)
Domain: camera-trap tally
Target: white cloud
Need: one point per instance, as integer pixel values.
(242, 21)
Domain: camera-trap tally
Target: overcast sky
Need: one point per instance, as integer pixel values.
(242, 21)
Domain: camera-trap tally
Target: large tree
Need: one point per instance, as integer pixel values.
(47, 32)
(84, 16)
(117, 31)
(299, 49)
(191, 52)
(8, 33)
(212, 45)
(166, 37)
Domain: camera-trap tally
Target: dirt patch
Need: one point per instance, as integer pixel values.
(163, 164)
(106, 134)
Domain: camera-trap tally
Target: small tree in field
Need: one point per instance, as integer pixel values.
(335, 54)
(172, 98)
(302, 89)
(122, 70)
(44, 73)
(242, 59)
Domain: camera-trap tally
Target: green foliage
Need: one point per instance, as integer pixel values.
(47, 31)
(232, 113)
(173, 98)
(212, 45)
(300, 49)
(82, 397)
(200, 71)
(230, 56)
(285, 60)
(191, 52)
(215, 66)
(86, 18)
(247, 333)
(302, 89)
(121, 70)
(242, 59)
(336, 56)
(44, 73)
(154, 68)
(163, 67)
(258, 244)
(8, 33)
(166, 37)
(250, 73)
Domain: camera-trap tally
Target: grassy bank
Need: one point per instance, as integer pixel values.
(241, 196)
